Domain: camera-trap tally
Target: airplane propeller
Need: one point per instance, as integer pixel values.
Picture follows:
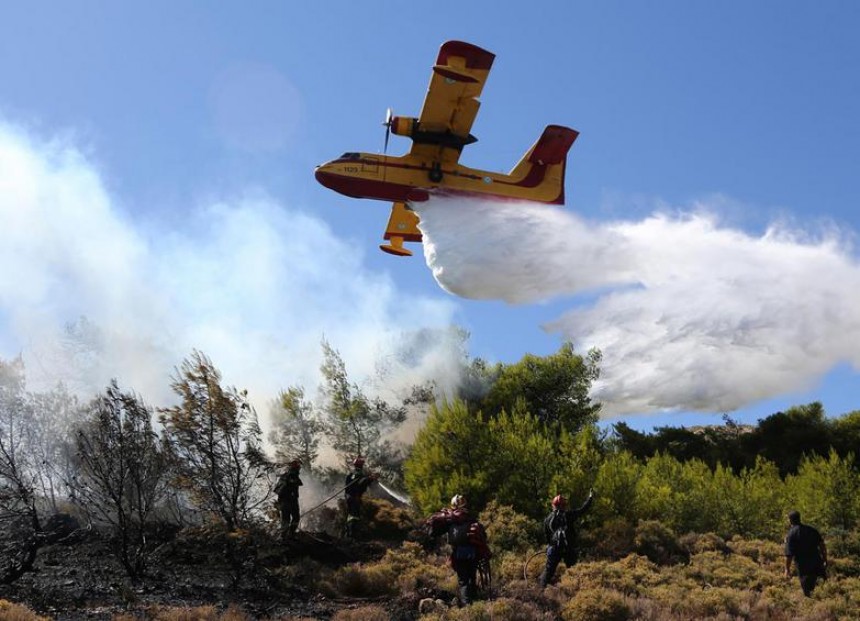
(389, 115)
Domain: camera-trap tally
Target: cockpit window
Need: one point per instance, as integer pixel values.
(350, 156)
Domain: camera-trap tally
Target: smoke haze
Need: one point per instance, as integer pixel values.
(689, 314)
(243, 280)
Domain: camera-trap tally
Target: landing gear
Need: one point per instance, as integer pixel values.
(395, 247)
(436, 173)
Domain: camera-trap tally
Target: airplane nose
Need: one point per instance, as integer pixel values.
(325, 178)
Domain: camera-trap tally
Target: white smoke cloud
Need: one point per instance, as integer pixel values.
(689, 314)
(252, 283)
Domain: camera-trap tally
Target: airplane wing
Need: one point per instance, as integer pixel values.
(451, 104)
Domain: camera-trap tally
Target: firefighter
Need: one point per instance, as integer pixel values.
(357, 483)
(468, 541)
(287, 489)
(560, 532)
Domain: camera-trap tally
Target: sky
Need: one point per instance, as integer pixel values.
(156, 179)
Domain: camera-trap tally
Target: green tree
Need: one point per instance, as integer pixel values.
(555, 388)
(826, 491)
(617, 486)
(523, 462)
(577, 460)
(215, 439)
(296, 428)
(676, 493)
(785, 437)
(750, 503)
(846, 433)
(450, 456)
(356, 423)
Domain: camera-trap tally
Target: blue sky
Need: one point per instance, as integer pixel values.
(750, 107)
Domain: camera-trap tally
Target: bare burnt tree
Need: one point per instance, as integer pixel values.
(51, 424)
(20, 527)
(215, 439)
(122, 473)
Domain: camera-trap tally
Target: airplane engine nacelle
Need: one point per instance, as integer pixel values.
(404, 125)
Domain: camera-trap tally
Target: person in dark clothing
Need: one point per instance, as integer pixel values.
(287, 489)
(560, 532)
(806, 546)
(357, 483)
(468, 541)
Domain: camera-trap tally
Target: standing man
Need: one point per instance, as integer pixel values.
(468, 541)
(357, 483)
(560, 531)
(805, 545)
(287, 490)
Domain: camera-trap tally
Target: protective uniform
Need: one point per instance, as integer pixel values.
(357, 483)
(560, 532)
(287, 490)
(468, 542)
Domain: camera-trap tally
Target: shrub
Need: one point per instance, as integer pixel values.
(361, 580)
(403, 569)
(509, 530)
(385, 521)
(597, 605)
(714, 569)
(654, 540)
(508, 566)
(762, 552)
(695, 543)
(613, 539)
(631, 575)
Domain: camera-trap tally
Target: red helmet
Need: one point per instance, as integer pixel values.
(358, 462)
(295, 464)
(559, 502)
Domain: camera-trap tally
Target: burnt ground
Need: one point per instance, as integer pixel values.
(82, 579)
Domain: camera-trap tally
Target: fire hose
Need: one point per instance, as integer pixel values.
(337, 493)
(526, 564)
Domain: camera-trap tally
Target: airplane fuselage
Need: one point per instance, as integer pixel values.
(410, 180)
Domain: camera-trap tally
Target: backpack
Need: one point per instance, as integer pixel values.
(458, 534)
(559, 537)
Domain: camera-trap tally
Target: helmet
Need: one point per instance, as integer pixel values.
(458, 502)
(358, 462)
(295, 464)
(559, 502)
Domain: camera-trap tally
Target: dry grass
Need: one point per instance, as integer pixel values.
(202, 613)
(502, 609)
(176, 613)
(10, 611)
(362, 613)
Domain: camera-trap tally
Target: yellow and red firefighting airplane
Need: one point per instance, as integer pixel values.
(438, 135)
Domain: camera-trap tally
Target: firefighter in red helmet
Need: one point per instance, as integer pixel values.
(287, 490)
(560, 531)
(357, 483)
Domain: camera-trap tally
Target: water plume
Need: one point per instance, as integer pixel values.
(689, 314)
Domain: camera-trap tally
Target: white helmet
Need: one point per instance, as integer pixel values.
(458, 502)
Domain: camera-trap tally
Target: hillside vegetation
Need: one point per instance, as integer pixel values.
(105, 512)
